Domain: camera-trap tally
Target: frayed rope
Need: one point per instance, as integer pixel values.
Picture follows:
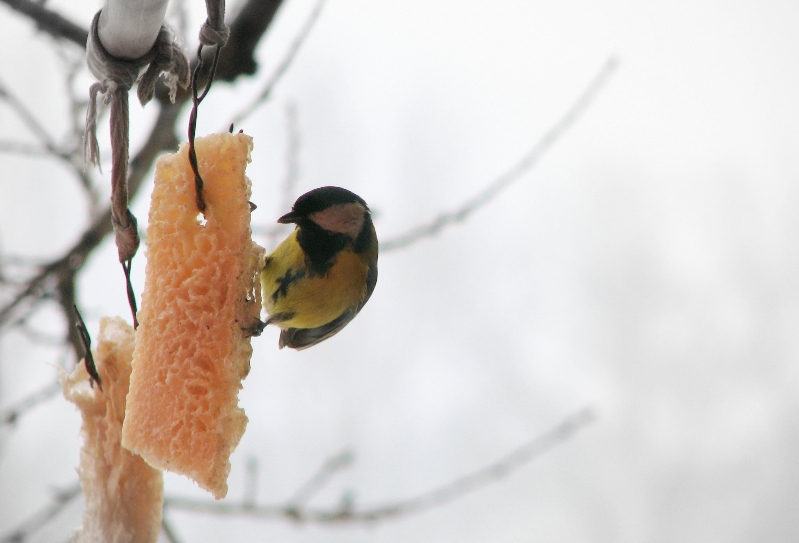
(115, 78)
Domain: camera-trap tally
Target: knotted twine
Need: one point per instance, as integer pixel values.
(115, 78)
(214, 31)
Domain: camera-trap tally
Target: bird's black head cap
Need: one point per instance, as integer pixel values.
(319, 200)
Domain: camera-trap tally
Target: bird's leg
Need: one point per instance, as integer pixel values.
(255, 329)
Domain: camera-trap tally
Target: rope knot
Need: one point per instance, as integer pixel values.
(116, 76)
(126, 234)
(209, 35)
(214, 31)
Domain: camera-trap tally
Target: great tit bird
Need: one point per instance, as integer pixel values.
(320, 277)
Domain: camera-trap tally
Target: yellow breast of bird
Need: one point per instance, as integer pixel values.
(314, 300)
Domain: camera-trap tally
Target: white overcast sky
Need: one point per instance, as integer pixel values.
(647, 268)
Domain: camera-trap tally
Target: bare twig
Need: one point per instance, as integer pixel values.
(528, 161)
(169, 531)
(22, 148)
(287, 192)
(269, 86)
(52, 148)
(49, 21)
(251, 482)
(38, 337)
(15, 271)
(489, 474)
(21, 261)
(292, 157)
(41, 285)
(56, 278)
(74, 65)
(12, 413)
(73, 143)
(42, 517)
(347, 513)
(30, 120)
(246, 30)
(59, 274)
(332, 465)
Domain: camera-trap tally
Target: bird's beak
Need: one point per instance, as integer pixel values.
(289, 218)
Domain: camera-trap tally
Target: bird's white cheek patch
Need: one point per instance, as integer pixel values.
(341, 218)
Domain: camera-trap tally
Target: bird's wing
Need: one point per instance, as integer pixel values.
(302, 338)
(371, 282)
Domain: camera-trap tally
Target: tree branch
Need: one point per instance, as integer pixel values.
(56, 276)
(43, 516)
(10, 415)
(169, 531)
(29, 119)
(22, 148)
(347, 513)
(307, 491)
(269, 86)
(60, 272)
(237, 56)
(49, 21)
(72, 158)
(527, 162)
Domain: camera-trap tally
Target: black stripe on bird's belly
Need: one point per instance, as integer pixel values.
(320, 246)
(285, 282)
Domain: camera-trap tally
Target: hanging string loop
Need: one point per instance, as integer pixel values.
(213, 32)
